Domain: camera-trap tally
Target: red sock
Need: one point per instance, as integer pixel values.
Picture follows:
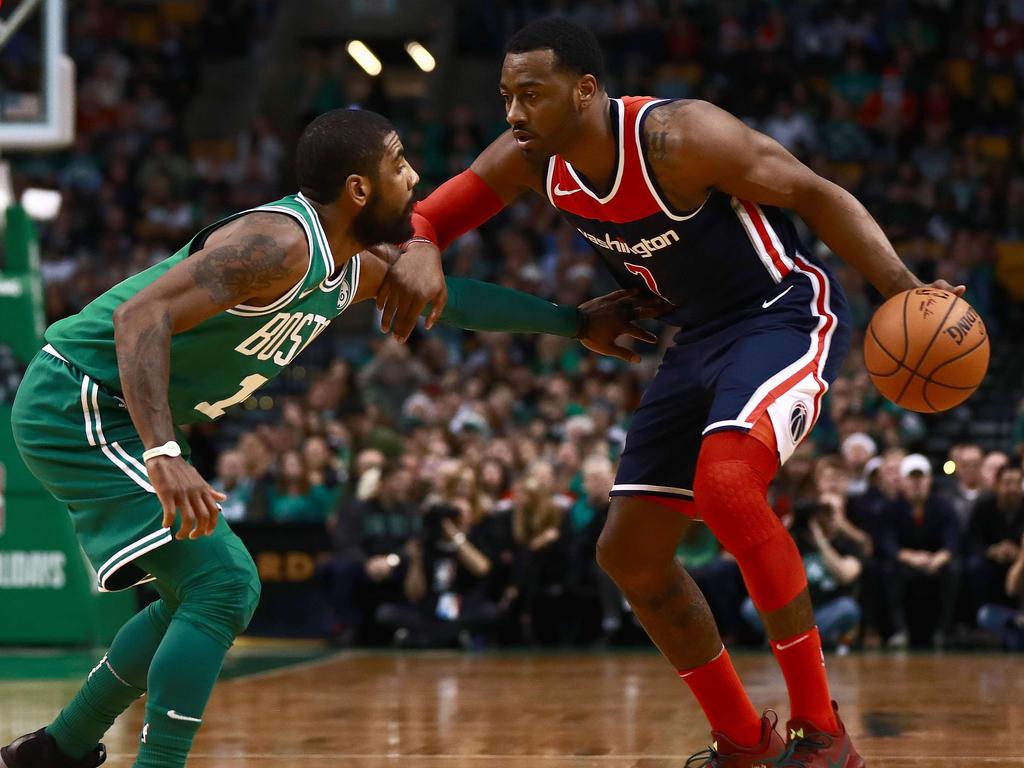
(723, 699)
(803, 666)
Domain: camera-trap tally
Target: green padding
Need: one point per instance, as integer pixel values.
(46, 589)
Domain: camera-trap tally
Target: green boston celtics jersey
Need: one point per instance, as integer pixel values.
(226, 358)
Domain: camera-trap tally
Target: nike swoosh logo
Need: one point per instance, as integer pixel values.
(784, 646)
(841, 762)
(175, 716)
(563, 192)
(766, 304)
(304, 294)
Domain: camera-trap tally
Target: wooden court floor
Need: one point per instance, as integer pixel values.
(550, 711)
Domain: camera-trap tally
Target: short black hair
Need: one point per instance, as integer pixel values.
(336, 145)
(574, 45)
(1008, 467)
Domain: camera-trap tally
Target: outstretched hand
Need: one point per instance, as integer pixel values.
(414, 279)
(608, 317)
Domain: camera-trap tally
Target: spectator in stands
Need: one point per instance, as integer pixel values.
(1005, 622)
(372, 538)
(293, 499)
(928, 536)
(537, 528)
(993, 534)
(858, 449)
(871, 513)
(586, 584)
(258, 461)
(456, 586)
(966, 484)
(232, 481)
(324, 470)
(990, 466)
(794, 482)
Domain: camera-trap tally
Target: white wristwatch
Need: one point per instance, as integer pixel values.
(169, 448)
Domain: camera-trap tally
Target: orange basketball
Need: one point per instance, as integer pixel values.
(926, 350)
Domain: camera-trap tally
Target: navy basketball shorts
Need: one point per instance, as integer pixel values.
(777, 356)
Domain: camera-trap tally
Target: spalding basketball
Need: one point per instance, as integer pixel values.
(926, 350)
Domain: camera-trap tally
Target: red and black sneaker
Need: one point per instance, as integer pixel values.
(723, 753)
(812, 748)
(40, 750)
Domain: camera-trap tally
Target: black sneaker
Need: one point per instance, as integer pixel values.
(40, 750)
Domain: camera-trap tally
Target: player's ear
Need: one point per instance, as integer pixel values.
(358, 188)
(586, 91)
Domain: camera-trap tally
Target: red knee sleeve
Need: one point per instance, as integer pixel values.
(462, 203)
(682, 506)
(731, 485)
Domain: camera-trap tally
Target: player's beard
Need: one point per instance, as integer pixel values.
(372, 225)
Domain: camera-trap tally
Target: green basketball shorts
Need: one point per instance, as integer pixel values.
(77, 438)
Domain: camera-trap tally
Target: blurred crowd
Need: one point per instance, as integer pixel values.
(464, 477)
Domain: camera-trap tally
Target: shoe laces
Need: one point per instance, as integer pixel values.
(801, 751)
(706, 759)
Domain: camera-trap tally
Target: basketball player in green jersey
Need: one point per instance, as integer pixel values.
(95, 416)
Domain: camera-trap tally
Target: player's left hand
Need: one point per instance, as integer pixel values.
(946, 286)
(414, 280)
(608, 317)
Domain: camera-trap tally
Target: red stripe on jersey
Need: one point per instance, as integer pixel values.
(632, 199)
(761, 226)
(812, 367)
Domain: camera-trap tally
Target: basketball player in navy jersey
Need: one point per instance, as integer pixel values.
(682, 199)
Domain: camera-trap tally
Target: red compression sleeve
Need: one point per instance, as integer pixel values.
(462, 203)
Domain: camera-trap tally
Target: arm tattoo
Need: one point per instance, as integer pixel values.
(657, 145)
(237, 271)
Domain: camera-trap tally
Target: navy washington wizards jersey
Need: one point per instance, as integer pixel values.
(710, 262)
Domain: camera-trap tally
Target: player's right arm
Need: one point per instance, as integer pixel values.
(498, 176)
(252, 260)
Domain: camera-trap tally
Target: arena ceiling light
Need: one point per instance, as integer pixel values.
(364, 57)
(41, 204)
(423, 58)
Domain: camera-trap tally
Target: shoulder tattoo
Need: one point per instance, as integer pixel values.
(239, 270)
(657, 145)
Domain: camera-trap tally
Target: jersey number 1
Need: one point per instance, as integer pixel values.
(644, 273)
(248, 385)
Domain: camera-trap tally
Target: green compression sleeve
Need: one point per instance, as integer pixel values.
(479, 306)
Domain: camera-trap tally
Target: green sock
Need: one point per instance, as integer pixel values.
(117, 681)
(181, 679)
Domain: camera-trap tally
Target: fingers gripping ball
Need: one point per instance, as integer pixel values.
(926, 350)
